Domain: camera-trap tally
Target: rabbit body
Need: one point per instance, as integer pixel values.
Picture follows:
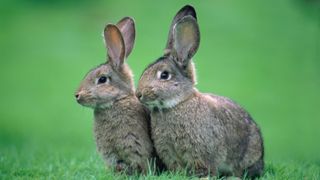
(199, 132)
(121, 124)
(207, 133)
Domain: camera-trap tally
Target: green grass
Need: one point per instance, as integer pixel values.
(76, 162)
(263, 54)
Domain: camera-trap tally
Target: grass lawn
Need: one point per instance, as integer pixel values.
(265, 55)
(47, 163)
(76, 162)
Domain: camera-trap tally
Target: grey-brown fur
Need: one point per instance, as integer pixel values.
(120, 121)
(121, 134)
(193, 130)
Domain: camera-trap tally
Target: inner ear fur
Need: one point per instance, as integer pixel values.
(115, 45)
(186, 39)
(187, 10)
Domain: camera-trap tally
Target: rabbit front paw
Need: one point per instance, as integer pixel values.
(121, 166)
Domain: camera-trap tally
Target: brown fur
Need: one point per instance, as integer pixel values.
(200, 132)
(121, 133)
(121, 122)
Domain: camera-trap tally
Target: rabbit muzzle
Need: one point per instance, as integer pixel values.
(84, 98)
(80, 96)
(146, 96)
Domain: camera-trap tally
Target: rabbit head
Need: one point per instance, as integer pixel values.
(112, 80)
(170, 79)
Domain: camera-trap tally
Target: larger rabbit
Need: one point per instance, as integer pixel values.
(121, 122)
(202, 132)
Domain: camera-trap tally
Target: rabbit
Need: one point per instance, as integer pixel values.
(120, 121)
(202, 133)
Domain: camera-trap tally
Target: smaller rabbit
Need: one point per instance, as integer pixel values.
(120, 121)
(204, 133)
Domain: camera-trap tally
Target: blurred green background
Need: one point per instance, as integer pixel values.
(263, 54)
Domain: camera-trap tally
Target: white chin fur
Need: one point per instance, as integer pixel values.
(170, 103)
(104, 105)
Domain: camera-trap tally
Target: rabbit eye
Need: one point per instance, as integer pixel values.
(102, 80)
(164, 75)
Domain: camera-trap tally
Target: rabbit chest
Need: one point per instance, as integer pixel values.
(121, 133)
(187, 134)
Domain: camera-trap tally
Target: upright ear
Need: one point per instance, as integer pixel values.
(186, 39)
(115, 45)
(187, 10)
(128, 31)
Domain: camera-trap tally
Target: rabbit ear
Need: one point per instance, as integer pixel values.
(127, 28)
(115, 45)
(187, 10)
(186, 39)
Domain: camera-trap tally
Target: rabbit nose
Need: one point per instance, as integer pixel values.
(77, 96)
(139, 95)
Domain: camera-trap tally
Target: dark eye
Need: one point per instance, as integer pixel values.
(102, 79)
(163, 75)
